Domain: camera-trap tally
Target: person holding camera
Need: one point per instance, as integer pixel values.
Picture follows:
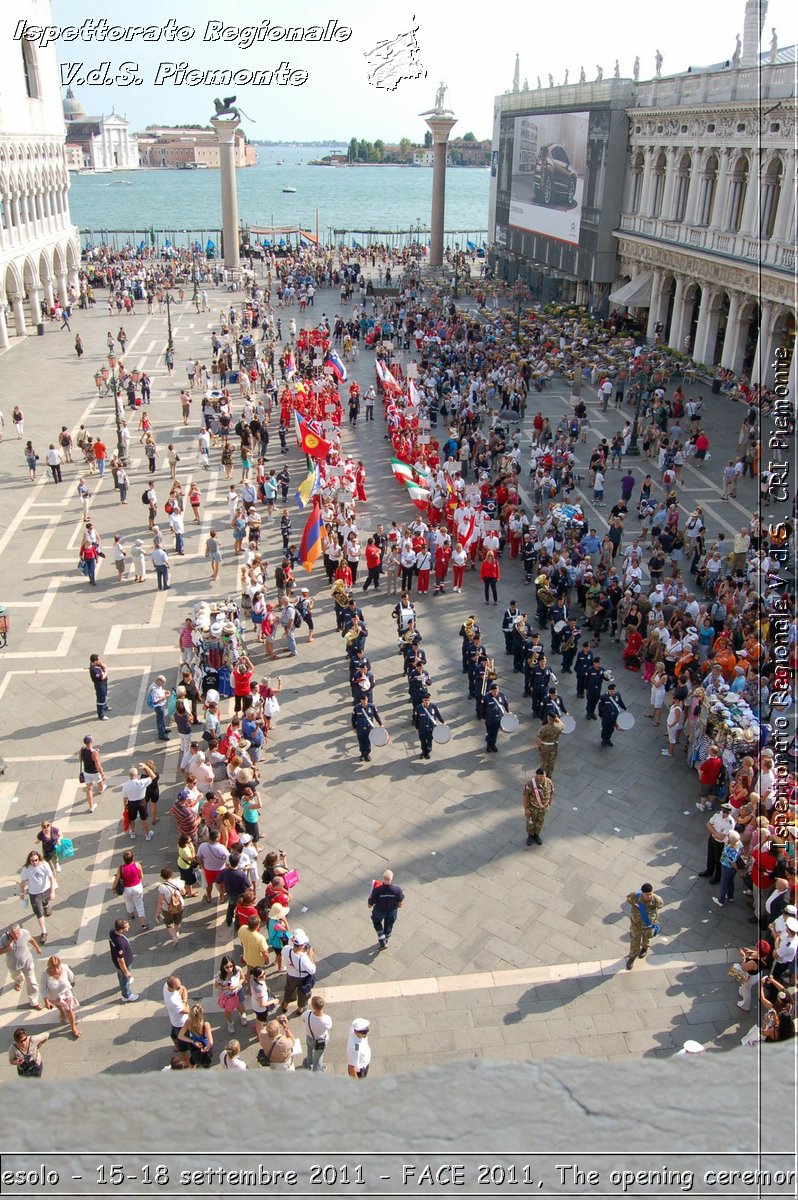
(24, 1053)
(277, 1045)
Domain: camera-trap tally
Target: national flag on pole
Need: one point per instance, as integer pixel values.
(290, 364)
(419, 495)
(339, 370)
(312, 535)
(402, 470)
(308, 487)
(413, 394)
(312, 444)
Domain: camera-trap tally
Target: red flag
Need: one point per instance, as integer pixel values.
(312, 444)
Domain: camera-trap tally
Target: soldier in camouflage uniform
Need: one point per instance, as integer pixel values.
(643, 929)
(538, 796)
(547, 739)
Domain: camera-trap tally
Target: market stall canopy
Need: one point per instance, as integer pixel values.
(636, 293)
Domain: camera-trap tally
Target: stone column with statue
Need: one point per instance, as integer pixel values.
(441, 121)
(226, 123)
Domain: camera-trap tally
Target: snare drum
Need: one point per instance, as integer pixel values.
(568, 723)
(378, 736)
(441, 734)
(559, 626)
(509, 722)
(625, 721)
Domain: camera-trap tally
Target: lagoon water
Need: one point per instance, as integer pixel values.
(353, 198)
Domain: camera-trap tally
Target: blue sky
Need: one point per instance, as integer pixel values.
(470, 46)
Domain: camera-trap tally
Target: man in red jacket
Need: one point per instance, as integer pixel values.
(763, 864)
(373, 563)
(708, 776)
(443, 555)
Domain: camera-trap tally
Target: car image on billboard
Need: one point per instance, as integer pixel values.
(555, 178)
(548, 174)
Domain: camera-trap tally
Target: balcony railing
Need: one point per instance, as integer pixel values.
(714, 241)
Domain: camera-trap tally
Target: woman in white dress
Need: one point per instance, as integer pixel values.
(674, 725)
(658, 681)
(57, 992)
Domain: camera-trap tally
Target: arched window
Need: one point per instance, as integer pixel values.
(637, 181)
(709, 183)
(771, 194)
(738, 185)
(658, 188)
(681, 189)
(31, 70)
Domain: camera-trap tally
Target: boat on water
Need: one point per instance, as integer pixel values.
(290, 191)
(280, 162)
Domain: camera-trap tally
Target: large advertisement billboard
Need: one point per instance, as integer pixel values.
(548, 174)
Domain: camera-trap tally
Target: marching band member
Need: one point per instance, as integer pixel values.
(496, 706)
(428, 715)
(364, 718)
(569, 646)
(610, 706)
(509, 622)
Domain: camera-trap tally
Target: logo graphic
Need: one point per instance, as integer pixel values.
(395, 59)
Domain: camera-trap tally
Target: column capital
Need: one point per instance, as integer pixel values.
(440, 128)
(225, 129)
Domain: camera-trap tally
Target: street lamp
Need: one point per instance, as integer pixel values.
(521, 293)
(634, 449)
(458, 261)
(169, 302)
(112, 374)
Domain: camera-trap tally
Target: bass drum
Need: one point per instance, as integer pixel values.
(509, 723)
(378, 736)
(441, 734)
(559, 626)
(625, 721)
(569, 724)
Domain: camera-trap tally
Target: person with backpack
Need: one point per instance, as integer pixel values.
(305, 612)
(169, 904)
(288, 621)
(65, 442)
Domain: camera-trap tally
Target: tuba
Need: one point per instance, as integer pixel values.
(546, 596)
(339, 593)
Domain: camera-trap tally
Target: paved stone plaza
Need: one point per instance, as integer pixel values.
(501, 950)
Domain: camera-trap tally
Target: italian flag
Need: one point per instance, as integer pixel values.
(402, 470)
(419, 495)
